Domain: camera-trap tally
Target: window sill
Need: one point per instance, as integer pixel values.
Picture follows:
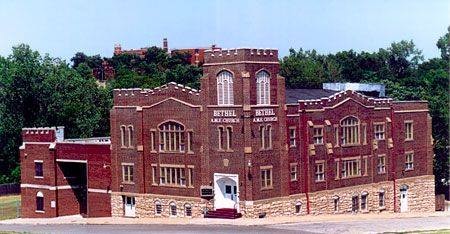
(225, 151)
(267, 188)
(351, 177)
(293, 180)
(190, 152)
(407, 140)
(39, 211)
(39, 177)
(171, 152)
(381, 208)
(292, 146)
(153, 151)
(318, 144)
(380, 139)
(126, 182)
(319, 181)
(350, 145)
(173, 186)
(268, 149)
(410, 169)
(381, 173)
(364, 211)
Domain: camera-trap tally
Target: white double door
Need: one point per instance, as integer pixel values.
(404, 199)
(226, 191)
(130, 206)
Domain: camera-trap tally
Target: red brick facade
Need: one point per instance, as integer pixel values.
(313, 150)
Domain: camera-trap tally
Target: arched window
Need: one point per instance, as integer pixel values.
(122, 136)
(130, 136)
(173, 209)
(39, 201)
(225, 88)
(262, 88)
(350, 130)
(188, 210)
(171, 137)
(158, 208)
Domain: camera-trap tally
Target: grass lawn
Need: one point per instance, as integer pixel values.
(9, 206)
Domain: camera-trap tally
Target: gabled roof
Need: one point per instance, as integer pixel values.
(294, 95)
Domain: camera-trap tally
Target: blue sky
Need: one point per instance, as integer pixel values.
(62, 28)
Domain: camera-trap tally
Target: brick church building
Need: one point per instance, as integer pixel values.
(242, 145)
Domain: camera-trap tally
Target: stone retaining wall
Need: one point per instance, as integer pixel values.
(420, 199)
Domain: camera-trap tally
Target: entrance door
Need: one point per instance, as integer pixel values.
(226, 191)
(404, 198)
(130, 207)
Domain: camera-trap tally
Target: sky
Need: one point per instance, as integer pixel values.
(62, 28)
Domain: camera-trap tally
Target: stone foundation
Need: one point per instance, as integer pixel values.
(420, 199)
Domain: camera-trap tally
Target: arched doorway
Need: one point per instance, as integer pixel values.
(226, 191)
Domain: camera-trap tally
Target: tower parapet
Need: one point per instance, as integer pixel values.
(213, 56)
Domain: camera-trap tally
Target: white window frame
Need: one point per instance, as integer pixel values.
(127, 172)
(409, 161)
(318, 135)
(409, 131)
(350, 131)
(381, 166)
(294, 171)
(351, 168)
(263, 88)
(320, 171)
(292, 137)
(379, 131)
(266, 177)
(225, 88)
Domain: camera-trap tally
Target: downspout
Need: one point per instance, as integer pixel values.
(394, 160)
(305, 157)
(56, 181)
(143, 151)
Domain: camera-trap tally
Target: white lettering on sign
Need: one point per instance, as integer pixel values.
(224, 116)
(264, 115)
(224, 113)
(264, 112)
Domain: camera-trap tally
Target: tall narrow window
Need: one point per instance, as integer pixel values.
(225, 88)
(266, 177)
(154, 181)
(409, 162)
(350, 131)
(351, 168)
(269, 137)
(364, 201)
(221, 136)
(40, 201)
(336, 135)
(263, 88)
(292, 139)
(153, 141)
(336, 204)
(229, 137)
(127, 172)
(364, 133)
(262, 137)
(130, 136)
(38, 169)
(173, 209)
(381, 199)
(191, 177)
(158, 208)
(409, 130)
(122, 136)
(318, 135)
(190, 141)
(320, 171)
(171, 137)
(378, 129)
(293, 171)
(381, 164)
(188, 210)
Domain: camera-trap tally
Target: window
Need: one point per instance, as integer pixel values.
(263, 88)
(154, 175)
(381, 164)
(336, 135)
(171, 137)
(172, 176)
(153, 141)
(229, 137)
(364, 133)
(191, 177)
(173, 209)
(38, 169)
(158, 208)
(190, 141)
(127, 173)
(40, 201)
(381, 199)
(364, 201)
(122, 136)
(294, 172)
(351, 168)
(224, 88)
(298, 207)
(336, 204)
(409, 130)
(225, 137)
(350, 131)
(266, 177)
(378, 129)
(292, 140)
(265, 134)
(188, 210)
(409, 162)
(355, 203)
(318, 135)
(130, 136)
(320, 171)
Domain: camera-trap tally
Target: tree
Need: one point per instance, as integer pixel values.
(444, 45)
